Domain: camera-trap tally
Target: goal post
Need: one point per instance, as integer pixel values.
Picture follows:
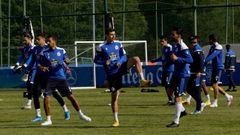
(81, 48)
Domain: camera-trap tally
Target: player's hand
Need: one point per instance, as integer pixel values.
(173, 57)
(118, 65)
(108, 62)
(198, 74)
(44, 69)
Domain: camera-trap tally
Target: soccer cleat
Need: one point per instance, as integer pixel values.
(229, 100)
(37, 118)
(228, 90)
(234, 90)
(214, 105)
(46, 123)
(208, 102)
(203, 105)
(185, 102)
(85, 118)
(170, 103)
(183, 113)
(67, 115)
(145, 83)
(172, 125)
(195, 112)
(27, 107)
(116, 123)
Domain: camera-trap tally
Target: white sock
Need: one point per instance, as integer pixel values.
(188, 99)
(49, 118)
(80, 113)
(141, 76)
(65, 108)
(227, 95)
(208, 97)
(215, 101)
(179, 109)
(38, 111)
(115, 115)
(29, 102)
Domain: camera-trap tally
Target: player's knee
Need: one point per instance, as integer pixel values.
(136, 59)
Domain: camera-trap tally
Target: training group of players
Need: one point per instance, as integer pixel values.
(183, 72)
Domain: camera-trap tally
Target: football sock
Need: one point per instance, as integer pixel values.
(49, 118)
(141, 76)
(179, 109)
(208, 97)
(80, 113)
(65, 108)
(215, 101)
(227, 95)
(38, 111)
(189, 97)
(29, 102)
(115, 115)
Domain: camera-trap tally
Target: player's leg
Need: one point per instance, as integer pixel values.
(231, 81)
(137, 62)
(50, 87)
(179, 86)
(114, 103)
(62, 104)
(29, 96)
(228, 97)
(206, 93)
(63, 88)
(36, 95)
(165, 84)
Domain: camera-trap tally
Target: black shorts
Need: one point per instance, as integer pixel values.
(40, 83)
(216, 76)
(61, 85)
(115, 80)
(178, 85)
(166, 78)
(193, 82)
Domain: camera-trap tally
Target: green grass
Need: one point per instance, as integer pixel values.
(140, 114)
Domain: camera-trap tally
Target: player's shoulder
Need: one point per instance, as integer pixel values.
(183, 45)
(99, 47)
(118, 43)
(61, 49)
(197, 48)
(218, 46)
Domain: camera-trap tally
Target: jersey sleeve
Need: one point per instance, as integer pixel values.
(99, 57)
(212, 56)
(122, 55)
(185, 57)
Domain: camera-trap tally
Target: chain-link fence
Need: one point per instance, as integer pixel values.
(76, 20)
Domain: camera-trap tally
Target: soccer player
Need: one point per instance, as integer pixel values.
(194, 82)
(229, 65)
(40, 79)
(215, 55)
(113, 57)
(23, 61)
(181, 59)
(167, 67)
(52, 62)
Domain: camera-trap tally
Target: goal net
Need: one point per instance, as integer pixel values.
(84, 72)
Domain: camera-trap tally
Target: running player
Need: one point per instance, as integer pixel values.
(52, 62)
(23, 61)
(216, 56)
(181, 59)
(40, 79)
(113, 57)
(167, 67)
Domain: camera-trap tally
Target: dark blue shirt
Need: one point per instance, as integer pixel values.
(110, 51)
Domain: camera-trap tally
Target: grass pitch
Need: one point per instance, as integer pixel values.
(140, 114)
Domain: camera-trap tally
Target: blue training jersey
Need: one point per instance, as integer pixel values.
(216, 56)
(111, 51)
(54, 60)
(25, 57)
(181, 65)
(167, 64)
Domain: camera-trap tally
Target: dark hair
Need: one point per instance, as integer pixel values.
(163, 37)
(213, 37)
(40, 35)
(109, 30)
(178, 30)
(27, 35)
(192, 37)
(228, 46)
(53, 37)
